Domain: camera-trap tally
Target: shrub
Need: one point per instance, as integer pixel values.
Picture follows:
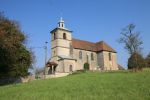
(86, 66)
(147, 59)
(136, 62)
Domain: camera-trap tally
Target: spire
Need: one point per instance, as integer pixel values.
(61, 23)
(61, 20)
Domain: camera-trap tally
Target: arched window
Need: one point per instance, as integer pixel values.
(64, 36)
(54, 36)
(80, 54)
(109, 54)
(92, 56)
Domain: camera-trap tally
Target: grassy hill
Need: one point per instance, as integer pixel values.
(84, 86)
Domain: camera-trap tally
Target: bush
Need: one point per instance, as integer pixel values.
(86, 66)
(147, 59)
(136, 62)
(78, 72)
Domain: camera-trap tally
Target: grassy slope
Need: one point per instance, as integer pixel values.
(85, 86)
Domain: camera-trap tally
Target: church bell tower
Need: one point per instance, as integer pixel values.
(61, 38)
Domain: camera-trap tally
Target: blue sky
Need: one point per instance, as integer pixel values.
(92, 20)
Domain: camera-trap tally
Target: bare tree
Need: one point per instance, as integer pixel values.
(133, 43)
(131, 39)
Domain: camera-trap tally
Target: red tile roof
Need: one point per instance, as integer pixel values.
(49, 64)
(90, 46)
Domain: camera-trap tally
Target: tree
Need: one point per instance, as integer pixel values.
(147, 59)
(131, 39)
(132, 42)
(15, 58)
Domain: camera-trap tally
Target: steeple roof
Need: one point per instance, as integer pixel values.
(61, 26)
(61, 23)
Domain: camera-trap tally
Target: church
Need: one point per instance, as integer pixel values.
(69, 54)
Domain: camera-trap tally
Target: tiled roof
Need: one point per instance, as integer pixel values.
(66, 57)
(49, 64)
(90, 46)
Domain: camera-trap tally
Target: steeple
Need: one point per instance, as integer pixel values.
(61, 23)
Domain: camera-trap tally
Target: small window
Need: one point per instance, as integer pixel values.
(92, 56)
(80, 54)
(64, 36)
(109, 54)
(54, 36)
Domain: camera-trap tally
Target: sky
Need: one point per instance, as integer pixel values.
(91, 20)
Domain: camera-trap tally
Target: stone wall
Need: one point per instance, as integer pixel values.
(69, 65)
(60, 46)
(105, 63)
(64, 65)
(80, 62)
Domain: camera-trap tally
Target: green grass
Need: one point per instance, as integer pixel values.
(85, 86)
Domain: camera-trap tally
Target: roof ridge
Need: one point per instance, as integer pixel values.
(86, 45)
(84, 40)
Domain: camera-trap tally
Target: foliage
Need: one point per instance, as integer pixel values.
(84, 86)
(131, 39)
(86, 66)
(147, 59)
(133, 43)
(15, 59)
(78, 72)
(38, 71)
(136, 62)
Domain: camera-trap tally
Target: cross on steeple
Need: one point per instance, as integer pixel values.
(61, 23)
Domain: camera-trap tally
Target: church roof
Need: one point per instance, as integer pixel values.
(49, 64)
(66, 57)
(90, 46)
(65, 29)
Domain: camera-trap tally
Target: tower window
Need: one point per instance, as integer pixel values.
(64, 36)
(80, 54)
(109, 54)
(92, 56)
(54, 36)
